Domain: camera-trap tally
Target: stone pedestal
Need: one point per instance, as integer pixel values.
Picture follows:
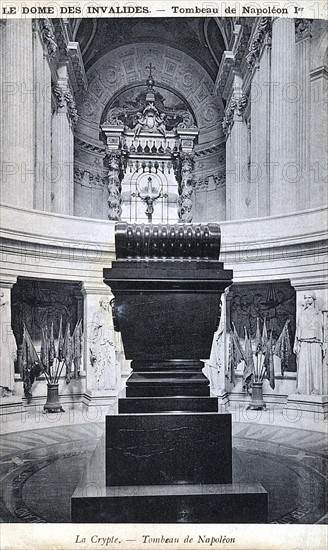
(312, 407)
(168, 452)
(94, 502)
(102, 386)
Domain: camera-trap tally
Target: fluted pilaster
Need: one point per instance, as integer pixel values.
(284, 172)
(42, 197)
(62, 148)
(260, 134)
(236, 150)
(303, 60)
(18, 113)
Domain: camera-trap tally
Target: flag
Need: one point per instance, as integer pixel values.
(32, 356)
(77, 348)
(60, 343)
(283, 348)
(44, 355)
(30, 363)
(249, 368)
(67, 351)
(51, 345)
(268, 363)
(264, 337)
(236, 355)
(258, 339)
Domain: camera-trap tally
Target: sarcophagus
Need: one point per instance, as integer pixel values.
(167, 282)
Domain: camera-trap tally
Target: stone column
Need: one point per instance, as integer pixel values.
(3, 93)
(259, 58)
(8, 343)
(185, 202)
(18, 113)
(100, 358)
(63, 145)
(317, 182)
(284, 172)
(303, 59)
(114, 185)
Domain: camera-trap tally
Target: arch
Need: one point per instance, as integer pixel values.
(320, 54)
(127, 65)
(136, 85)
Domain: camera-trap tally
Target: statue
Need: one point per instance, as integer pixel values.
(8, 349)
(308, 348)
(102, 348)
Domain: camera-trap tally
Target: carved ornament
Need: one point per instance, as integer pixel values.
(48, 37)
(71, 106)
(148, 113)
(64, 99)
(236, 108)
(60, 97)
(219, 180)
(261, 35)
(303, 28)
(88, 179)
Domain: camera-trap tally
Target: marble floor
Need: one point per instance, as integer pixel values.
(41, 467)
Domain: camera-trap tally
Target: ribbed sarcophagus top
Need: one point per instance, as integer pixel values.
(167, 241)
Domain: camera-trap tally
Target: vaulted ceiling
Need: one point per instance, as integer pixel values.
(200, 38)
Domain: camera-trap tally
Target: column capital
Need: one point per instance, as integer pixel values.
(94, 288)
(7, 281)
(303, 29)
(65, 102)
(234, 111)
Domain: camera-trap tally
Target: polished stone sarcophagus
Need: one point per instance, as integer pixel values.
(167, 455)
(167, 282)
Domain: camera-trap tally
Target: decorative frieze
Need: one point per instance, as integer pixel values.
(234, 58)
(303, 28)
(88, 179)
(62, 32)
(74, 54)
(48, 36)
(215, 180)
(261, 36)
(211, 151)
(90, 147)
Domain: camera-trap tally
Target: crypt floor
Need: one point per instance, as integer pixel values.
(40, 469)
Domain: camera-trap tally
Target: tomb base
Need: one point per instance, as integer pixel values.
(94, 502)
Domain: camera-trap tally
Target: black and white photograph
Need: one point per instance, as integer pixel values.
(163, 282)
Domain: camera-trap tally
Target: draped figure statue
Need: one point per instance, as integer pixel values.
(308, 348)
(102, 348)
(8, 349)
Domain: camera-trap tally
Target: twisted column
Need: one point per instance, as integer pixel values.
(185, 203)
(114, 185)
